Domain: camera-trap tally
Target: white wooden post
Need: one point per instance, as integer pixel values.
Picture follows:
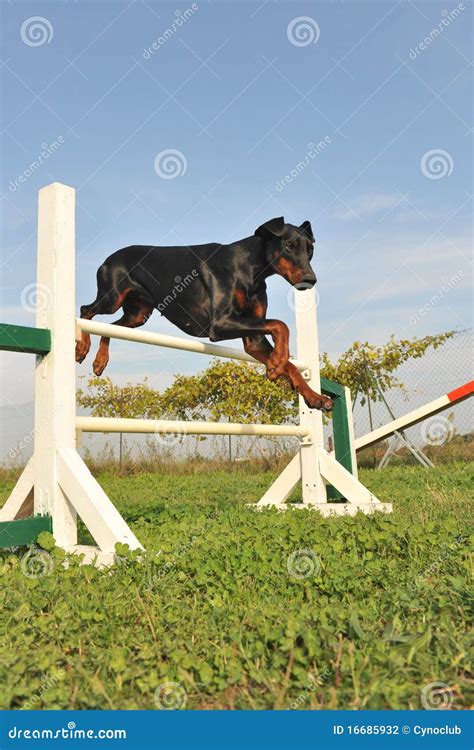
(58, 478)
(55, 389)
(313, 486)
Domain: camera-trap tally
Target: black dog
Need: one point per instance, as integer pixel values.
(215, 291)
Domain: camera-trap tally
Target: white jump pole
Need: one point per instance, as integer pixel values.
(169, 426)
(170, 342)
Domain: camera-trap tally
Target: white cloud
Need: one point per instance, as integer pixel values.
(367, 205)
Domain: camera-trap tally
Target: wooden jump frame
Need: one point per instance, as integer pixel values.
(57, 486)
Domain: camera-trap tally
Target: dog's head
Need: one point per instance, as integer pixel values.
(289, 250)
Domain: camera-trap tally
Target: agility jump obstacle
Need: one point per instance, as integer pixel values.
(56, 486)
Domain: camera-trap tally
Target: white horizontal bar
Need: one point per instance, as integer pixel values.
(161, 426)
(170, 342)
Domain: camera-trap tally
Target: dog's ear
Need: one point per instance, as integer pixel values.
(273, 227)
(306, 228)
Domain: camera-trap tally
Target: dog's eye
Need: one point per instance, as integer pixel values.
(289, 247)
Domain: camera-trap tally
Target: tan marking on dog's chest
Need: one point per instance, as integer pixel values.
(240, 298)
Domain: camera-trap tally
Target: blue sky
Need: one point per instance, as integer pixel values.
(232, 92)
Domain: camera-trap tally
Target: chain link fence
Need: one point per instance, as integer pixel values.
(440, 371)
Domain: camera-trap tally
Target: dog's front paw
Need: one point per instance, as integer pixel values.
(82, 350)
(99, 364)
(276, 366)
(317, 401)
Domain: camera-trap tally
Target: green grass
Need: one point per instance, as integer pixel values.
(383, 613)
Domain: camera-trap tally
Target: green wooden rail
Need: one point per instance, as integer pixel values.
(24, 339)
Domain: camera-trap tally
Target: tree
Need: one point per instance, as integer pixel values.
(105, 399)
(234, 391)
(230, 391)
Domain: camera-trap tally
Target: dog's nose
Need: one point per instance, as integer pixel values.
(307, 283)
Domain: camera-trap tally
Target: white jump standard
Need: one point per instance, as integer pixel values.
(56, 477)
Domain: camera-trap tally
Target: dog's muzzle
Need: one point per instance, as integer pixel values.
(307, 283)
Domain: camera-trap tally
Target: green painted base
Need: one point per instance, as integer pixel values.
(340, 418)
(24, 531)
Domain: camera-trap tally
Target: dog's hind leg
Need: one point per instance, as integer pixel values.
(136, 313)
(98, 307)
(110, 296)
